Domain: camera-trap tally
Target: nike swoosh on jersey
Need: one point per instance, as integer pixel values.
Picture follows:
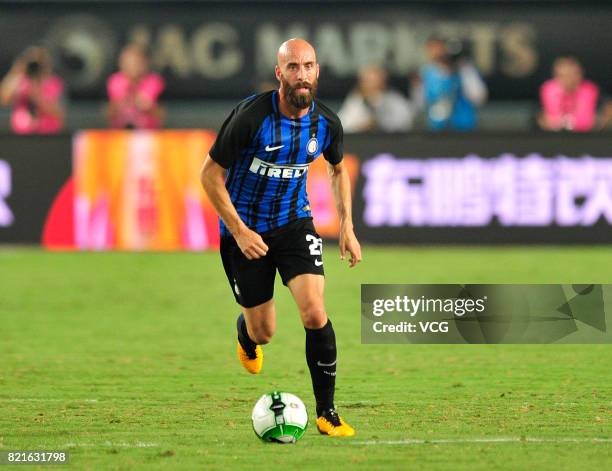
(270, 149)
(318, 263)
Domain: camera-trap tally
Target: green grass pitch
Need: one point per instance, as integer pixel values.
(128, 361)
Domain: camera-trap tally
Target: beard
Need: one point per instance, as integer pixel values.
(299, 100)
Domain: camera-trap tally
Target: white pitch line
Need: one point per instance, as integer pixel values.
(40, 399)
(356, 403)
(105, 444)
(447, 441)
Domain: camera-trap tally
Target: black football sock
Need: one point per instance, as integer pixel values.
(321, 359)
(243, 337)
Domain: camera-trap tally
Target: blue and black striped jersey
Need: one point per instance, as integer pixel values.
(267, 156)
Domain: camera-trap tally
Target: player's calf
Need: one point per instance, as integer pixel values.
(321, 359)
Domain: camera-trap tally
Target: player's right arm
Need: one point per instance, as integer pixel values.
(212, 177)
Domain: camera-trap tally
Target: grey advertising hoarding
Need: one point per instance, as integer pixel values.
(221, 49)
(33, 169)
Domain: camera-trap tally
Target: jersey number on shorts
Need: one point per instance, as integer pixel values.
(315, 247)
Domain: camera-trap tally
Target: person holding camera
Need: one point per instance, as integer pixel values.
(450, 87)
(34, 93)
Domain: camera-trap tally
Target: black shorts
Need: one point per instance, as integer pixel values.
(293, 249)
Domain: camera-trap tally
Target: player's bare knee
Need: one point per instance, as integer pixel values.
(314, 316)
(315, 322)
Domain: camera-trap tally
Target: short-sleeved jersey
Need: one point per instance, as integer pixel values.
(267, 156)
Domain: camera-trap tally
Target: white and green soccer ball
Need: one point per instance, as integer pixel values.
(279, 417)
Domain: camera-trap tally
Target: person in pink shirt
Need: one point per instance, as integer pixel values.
(134, 91)
(35, 94)
(569, 102)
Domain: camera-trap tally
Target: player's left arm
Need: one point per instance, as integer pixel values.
(341, 185)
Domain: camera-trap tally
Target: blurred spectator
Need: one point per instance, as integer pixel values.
(450, 87)
(372, 106)
(605, 123)
(35, 94)
(568, 101)
(133, 92)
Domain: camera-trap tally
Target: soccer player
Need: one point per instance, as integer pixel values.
(255, 177)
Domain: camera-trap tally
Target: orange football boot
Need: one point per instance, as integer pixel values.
(330, 423)
(252, 365)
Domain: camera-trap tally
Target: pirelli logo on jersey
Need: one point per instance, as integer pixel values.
(268, 169)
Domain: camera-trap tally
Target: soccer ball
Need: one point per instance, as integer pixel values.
(279, 417)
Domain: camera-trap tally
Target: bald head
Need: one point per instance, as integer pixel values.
(295, 48)
(297, 72)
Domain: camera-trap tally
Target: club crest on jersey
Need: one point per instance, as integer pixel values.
(271, 170)
(313, 146)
